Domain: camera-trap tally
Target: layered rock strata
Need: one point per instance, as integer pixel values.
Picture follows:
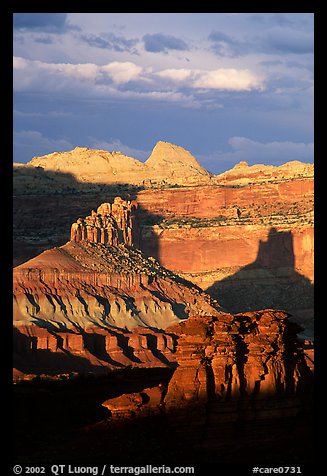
(242, 173)
(111, 224)
(94, 350)
(247, 366)
(252, 230)
(245, 246)
(88, 299)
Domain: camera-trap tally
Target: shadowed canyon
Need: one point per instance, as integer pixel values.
(165, 296)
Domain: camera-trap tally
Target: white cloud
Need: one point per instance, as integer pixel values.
(87, 71)
(88, 81)
(119, 72)
(122, 72)
(19, 63)
(229, 79)
(175, 74)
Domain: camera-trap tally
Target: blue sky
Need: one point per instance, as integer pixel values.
(226, 86)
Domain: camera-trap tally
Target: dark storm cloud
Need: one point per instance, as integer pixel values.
(44, 39)
(225, 45)
(50, 22)
(285, 41)
(276, 40)
(158, 42)
(109, 41)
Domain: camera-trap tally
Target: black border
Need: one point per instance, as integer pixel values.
(6, 28)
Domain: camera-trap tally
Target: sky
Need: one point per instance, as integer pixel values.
(227, 87)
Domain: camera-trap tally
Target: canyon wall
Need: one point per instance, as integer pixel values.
(199, 250)
(210, 201)
(250, 246)
(95, 304)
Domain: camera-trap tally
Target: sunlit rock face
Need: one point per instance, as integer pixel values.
(242, 367)
(97, 303)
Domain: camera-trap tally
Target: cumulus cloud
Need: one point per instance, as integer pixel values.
(47, 75)
(20, 63)
(159, 42)
(175, 74)
(255, 152)
(224, 79)
(122, 72)
(55, 76)
(81, 71)
(229, 79)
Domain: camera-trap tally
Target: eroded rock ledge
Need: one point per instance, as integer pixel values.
(112, 224)
(249, 365)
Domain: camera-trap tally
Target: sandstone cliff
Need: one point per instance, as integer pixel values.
(250, 247)
(111, 224)
(90, 283)
(227, 240)
(167, 164)
(93, 165)
(251, 228)
(91, 300)
(171, 162)
(242, 173)
(229, 369)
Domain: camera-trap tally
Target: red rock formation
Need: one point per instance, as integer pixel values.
(148, 402)
(111, 224)
(230, 367)
(251, 355)
(243, 173)
(211, 201)
(230, 241)
(80, 299)
(54, 352)
(210, 235)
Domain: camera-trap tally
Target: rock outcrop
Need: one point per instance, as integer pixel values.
(167, 164)
(110, 225)
(251, 228)
(245, 357)
(82, 298)
(230, 241)
(92, 165)
(242, 173)
(173, 164)
(242, 367)
(53, 352)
